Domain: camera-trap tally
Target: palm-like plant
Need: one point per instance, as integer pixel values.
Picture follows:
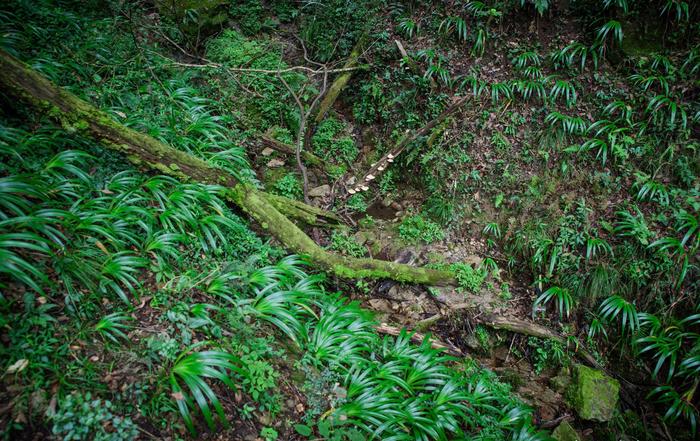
(408, 27)
(664, 109)
(568, 55)
(17, 265)
(630, 225)
(620, 109)
(615, 307)
(454, 25)
(113, 326)
(651, 190)
(501, 91)
(563, 89)
(569, 125)
(647, 82)
(679, 405)
(676, 9)
(492, 229)
(191, 370)
(610, 31)
(596, 246)
(527, 58)
(530, 89)
(561, 296)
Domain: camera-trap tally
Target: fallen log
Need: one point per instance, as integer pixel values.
(22, 83)
(287, 149)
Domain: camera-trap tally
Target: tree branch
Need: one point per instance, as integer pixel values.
(76, 115)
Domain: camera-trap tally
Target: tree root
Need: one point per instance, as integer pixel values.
(534, 330)
(76, 115)
(384, 328)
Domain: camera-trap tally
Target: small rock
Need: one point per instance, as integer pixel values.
(396, 206)
(381, 305)
(267, 151)
(593, 394)
(564, 432)
(320, 191)
(275, 163)
(562, 381)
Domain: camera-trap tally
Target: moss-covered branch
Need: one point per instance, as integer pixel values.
(287, 149)
(340, 82)
(20, 82)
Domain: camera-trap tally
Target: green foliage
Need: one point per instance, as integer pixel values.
(548, 354)
(112, 326)
(191, 370)
(417, 228)
(616, 307)
(79, 417)
(347, 245)
(289, 186)
(468, 277)
(561, 296)
(328, 143)
(357, 203)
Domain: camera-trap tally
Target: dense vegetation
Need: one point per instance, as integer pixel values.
(545, 153)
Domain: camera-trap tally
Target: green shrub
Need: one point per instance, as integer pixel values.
(417, 228)
(468, 277)
(329, 145)
(357, 202)
(347, 245)
(289, 186)
(79, 417)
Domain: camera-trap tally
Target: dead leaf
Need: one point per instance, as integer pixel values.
(18, 366)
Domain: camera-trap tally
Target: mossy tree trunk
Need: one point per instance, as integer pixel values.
(340, 82)
(20, 82)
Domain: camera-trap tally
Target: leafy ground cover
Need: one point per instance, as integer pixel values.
(136, 306)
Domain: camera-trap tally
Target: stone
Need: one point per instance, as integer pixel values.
(275, 163)
(564, 432)
(561, 382)
(320, 191)
(593, 394)
(267, 151)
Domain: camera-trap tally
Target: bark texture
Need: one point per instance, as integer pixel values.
(20, 82)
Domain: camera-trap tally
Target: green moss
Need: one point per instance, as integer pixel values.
(564, 432)
(593, 394)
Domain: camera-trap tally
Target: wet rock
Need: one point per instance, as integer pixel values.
(275, 163)
(320, 191)
(564, 432)
(267, 151)
(593, 394)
